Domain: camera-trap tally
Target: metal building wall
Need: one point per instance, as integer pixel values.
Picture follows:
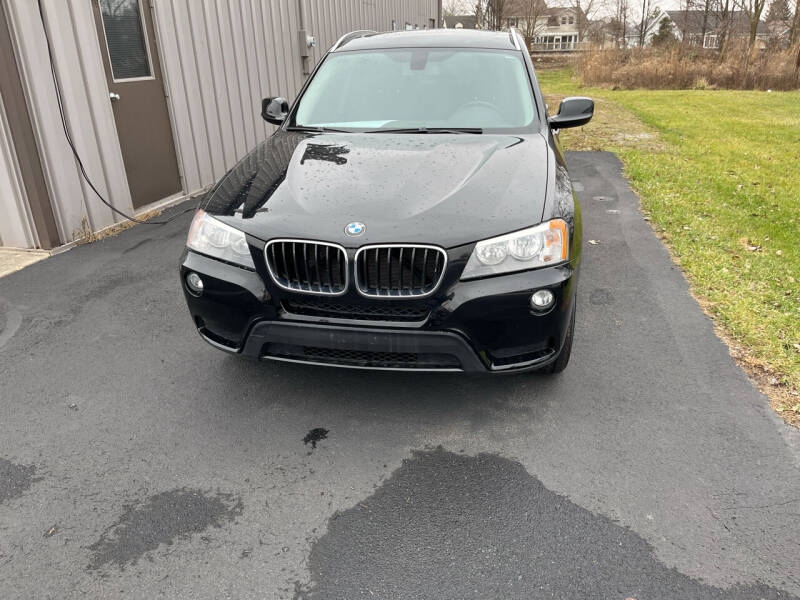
(70, 24)
(220, 57)
(16, 221)
(329, 19)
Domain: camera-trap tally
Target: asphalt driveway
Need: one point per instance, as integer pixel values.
(136, 461)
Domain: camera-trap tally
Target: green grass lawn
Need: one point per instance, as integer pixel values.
(718, 173)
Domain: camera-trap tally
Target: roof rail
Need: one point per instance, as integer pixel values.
(351, 36)
(512, 33)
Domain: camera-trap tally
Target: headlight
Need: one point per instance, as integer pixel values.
(214, 238)
(540, 246)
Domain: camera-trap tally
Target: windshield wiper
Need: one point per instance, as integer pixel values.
(429, 130)
(316, 129)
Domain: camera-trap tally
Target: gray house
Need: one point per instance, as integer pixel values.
(706, 29)
(158, 97)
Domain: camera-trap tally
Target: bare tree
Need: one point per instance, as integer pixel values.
(724, 18)
(685, 18)
(794, 29)
(644, 22)
(490, 14)
(648, 18)
(621, 22)
(752, 9)
(614, 29)
(585, 11)
(450, 8)
(779, 12)
(709, 16)
(706, 10)
(495, 12)
(530, 24)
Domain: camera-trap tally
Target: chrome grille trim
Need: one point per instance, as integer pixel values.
(289, 266)
(434, 256)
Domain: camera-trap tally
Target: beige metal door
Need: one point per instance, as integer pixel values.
(130, 57)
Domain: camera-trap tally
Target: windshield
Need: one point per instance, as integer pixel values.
(419, 88)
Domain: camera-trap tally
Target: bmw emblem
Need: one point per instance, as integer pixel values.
(355, 228)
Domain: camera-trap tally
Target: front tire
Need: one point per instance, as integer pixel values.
(561, 361)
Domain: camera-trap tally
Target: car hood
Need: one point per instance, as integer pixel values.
(445, 189)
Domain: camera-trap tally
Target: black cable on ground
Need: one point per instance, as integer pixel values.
(72, 144)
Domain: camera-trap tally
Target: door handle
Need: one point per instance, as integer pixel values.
(113, 96)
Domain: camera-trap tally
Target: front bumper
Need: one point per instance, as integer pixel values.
(484, 325)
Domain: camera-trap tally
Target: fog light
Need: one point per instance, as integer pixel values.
(542, 299)
(194, 283)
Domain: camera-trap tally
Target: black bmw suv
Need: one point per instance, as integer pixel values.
(412, 211)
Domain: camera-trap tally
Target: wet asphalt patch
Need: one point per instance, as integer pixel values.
(161, 519)
(15, 479)
(447, 525)
(315, 435)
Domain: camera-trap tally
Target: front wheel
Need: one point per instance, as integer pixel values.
(560, 363)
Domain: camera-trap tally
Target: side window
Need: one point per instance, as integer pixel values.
(126, 39)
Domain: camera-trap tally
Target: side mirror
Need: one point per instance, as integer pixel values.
(573, 112)
(274, 110)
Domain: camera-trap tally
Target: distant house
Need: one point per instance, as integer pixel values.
(707, 29)
(555, 29)
(633, 35)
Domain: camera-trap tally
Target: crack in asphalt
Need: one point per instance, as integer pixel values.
(773, 505)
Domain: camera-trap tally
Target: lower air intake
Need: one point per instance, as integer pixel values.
(363, 358)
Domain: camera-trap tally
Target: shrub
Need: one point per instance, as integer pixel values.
(674, 66)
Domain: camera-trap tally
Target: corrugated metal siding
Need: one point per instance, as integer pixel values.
(16, 221)
(220, 57)
(89, 116)
(330, 19)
